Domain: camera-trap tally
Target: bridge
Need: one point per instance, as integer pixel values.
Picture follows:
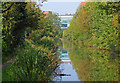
(65, 21)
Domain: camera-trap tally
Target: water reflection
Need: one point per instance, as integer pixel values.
(91, 64)
(64, 55)
(65, 71)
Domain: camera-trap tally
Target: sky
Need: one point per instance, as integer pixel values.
(65, 0)
(61, 7)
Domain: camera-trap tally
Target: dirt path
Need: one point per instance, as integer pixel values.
(63, 39)
(7, 63)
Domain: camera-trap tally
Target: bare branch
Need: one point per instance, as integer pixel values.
(7, 8)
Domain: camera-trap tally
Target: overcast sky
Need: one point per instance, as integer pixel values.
(61, 7)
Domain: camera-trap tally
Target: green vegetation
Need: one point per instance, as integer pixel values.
(33, 39)
(92, 26)
(94, 30)
(92, 64)
(30, 36)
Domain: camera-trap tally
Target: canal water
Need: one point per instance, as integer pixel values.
(66, 69)
(83, 63)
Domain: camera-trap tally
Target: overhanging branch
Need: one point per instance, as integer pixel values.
(7, 8)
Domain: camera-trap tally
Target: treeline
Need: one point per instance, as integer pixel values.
(30, 37)
(96, 25)
(94, 32)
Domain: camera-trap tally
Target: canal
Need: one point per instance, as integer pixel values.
(66, 69)
(84, 63)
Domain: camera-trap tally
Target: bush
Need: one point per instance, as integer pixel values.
(33, 64)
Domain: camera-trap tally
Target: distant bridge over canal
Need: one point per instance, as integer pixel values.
(65, 21)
